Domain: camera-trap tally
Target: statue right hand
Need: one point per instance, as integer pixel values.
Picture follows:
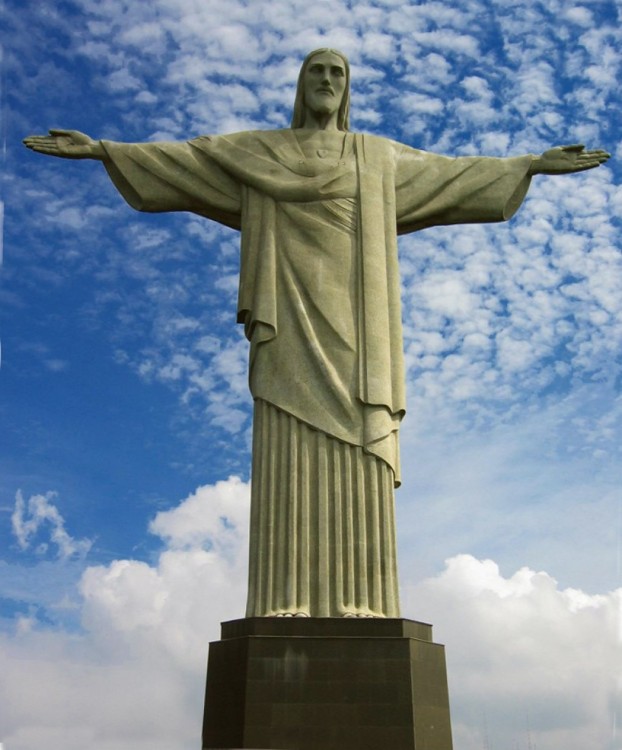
(68, 144)
(568, 159)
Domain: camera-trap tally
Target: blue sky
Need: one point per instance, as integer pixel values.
(125, 415)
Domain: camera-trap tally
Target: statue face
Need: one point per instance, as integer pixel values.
(324, 83)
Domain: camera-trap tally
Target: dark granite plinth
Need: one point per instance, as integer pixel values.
(326, 684)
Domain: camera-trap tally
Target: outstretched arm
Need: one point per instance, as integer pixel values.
(68, 144)
(567, 159)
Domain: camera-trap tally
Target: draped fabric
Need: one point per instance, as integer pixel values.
(319, 297)
(257, 181)
(322, 524)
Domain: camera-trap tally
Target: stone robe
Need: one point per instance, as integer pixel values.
(319, 297)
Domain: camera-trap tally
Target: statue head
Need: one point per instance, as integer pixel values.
(300, 104)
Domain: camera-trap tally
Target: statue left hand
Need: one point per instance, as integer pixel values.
(67, 144)
(567, 159)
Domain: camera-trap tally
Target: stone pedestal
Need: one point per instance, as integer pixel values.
(326, 684)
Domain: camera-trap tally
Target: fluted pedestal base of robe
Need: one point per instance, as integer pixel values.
(326, 684)
(322, 537)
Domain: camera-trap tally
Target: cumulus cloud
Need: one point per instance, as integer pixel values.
(525, 658)
(213, 515)
(199, 577)
(530, 664)
(134, 677)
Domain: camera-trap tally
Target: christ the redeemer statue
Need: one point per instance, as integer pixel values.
(319, 209)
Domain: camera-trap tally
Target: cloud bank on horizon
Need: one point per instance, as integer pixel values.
(125, 376)
(528, 660)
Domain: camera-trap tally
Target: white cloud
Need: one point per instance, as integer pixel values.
(122, 80)
(523, 654)
(580, 15)
(446, 40)
(38, 514)
(198, 580)
(213, 515)
(144, 36)
(134, 678)
(529, 664)
(420, 104)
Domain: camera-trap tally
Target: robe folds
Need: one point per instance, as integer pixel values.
(319, 297)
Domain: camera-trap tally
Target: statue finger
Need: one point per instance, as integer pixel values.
(42, 144)
(590, 164)
(595, 158)
(31, 139)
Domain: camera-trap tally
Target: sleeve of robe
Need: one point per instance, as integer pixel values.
(158, 177)
(432, 190)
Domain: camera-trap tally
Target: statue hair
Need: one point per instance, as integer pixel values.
(343, 115)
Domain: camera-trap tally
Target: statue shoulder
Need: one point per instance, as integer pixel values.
(390, 144)
(255, 141)
(382, 151)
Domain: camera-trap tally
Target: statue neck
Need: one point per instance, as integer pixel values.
(320, 120)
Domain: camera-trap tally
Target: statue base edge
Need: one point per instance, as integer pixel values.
(284, 683)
